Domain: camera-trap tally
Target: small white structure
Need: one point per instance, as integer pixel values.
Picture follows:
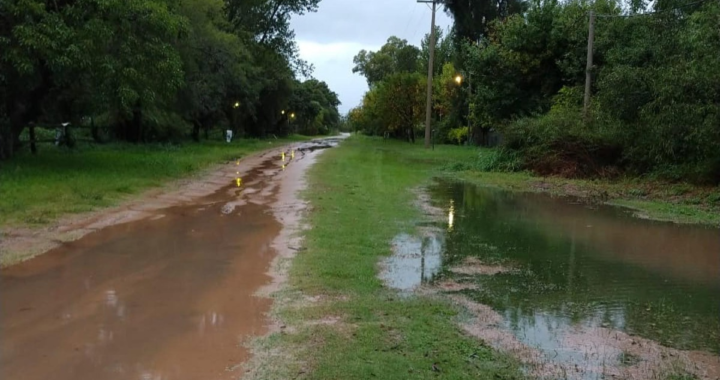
(228, 135)
(60, 133)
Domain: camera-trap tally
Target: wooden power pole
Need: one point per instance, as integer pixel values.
(588, 67)
(428, 106)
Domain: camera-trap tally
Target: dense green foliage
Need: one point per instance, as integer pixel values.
(156, 70)
(655, 105)
(656, 89)
(395, 104)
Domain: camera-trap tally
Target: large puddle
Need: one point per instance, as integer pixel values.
(584, 286)
(169, 297)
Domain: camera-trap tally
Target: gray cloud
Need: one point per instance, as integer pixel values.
(330, 38)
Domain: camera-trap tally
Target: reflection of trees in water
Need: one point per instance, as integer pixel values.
(568, 274)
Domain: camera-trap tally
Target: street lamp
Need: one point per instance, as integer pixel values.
(458, 79)
(236, 105)
(292, 115)
(282, 112)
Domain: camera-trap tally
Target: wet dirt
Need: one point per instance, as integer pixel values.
(171, 294)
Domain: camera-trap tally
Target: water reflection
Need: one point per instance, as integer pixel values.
(595, 268)
(210, 320)
(415, 260)
(111, 298)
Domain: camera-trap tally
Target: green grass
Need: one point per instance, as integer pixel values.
(36, 190)
(361, 197)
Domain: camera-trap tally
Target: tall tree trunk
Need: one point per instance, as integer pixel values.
(131, 131)
(196, 131)
(33, 143)
(95, 131)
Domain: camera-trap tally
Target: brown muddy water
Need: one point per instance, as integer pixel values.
(584, 292)
(168, 297)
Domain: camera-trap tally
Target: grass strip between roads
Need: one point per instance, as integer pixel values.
(36, 190)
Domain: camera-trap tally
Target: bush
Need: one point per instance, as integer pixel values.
(489, 160)
(560, 143)
(458, 135)
(499, 160)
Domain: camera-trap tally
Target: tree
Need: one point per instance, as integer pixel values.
(218, 69)
(78, 57)
(399, 104)
(149, 69)
(396, 56)
(444, 51)
(473, 18)
(315, 107)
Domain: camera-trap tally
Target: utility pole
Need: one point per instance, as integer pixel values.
(588, 68)
(428, 106)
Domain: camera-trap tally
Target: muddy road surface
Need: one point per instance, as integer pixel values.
(170, 295)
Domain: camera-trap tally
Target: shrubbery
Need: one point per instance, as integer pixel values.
(656, 93)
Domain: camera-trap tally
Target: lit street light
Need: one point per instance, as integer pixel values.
(458, 79)
(236, 105)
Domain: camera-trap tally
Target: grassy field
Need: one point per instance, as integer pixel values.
(36, 190)
(361, 197)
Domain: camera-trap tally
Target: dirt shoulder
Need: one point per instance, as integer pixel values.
(18, 244)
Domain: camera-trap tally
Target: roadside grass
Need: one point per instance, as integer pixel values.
(360, 195)
(37, 190)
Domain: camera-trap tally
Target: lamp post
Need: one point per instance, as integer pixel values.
(291, 118)
(229, 132)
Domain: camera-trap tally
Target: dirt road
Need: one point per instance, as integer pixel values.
(164, 288)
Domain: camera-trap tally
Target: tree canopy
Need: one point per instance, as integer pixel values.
(397, 76)
(520, 70)
(149, 70)
(396, 56)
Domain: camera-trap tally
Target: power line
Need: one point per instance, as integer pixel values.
(422, 17)
(407, 24)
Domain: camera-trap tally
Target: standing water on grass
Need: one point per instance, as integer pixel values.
(577, 274)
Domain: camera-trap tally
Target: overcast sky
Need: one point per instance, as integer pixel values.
(331, 37)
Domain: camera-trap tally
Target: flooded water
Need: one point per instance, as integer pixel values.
(574, 291)
(416, 260)
(168, 297)
(576, 267)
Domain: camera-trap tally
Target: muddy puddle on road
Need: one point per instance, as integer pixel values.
(575, 291)
(169, 297)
